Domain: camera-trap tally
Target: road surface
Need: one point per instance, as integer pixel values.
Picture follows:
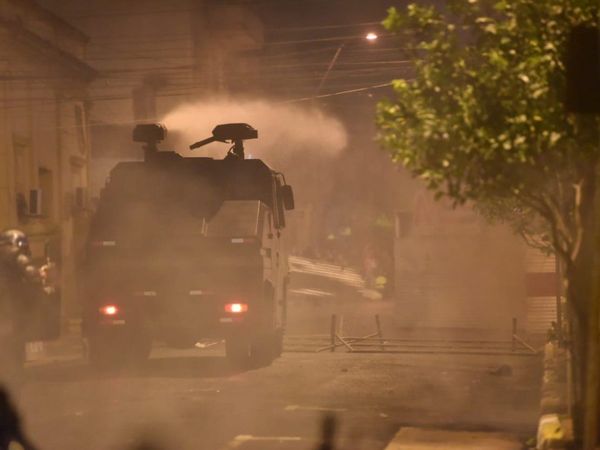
(192, 399)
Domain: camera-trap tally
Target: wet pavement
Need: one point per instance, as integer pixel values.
(193, 399)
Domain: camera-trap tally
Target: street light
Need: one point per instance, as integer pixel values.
(370, 37)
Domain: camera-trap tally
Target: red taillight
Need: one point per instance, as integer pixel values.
(109, 310)
(236, 308)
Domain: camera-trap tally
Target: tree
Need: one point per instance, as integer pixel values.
(482, 121)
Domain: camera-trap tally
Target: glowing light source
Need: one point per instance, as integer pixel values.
(109, 310)
(236, 308)
(371, 37)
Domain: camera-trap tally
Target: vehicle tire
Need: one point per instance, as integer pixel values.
(105, 353)
(247, 353)
(140, 348)
(263, 351)
(238, 351)
(278, 343)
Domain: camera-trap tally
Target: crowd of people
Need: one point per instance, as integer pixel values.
(372, 258)
(25, 292)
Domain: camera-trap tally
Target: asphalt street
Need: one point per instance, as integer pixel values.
(192, 399)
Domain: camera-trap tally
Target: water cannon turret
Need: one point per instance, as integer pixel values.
(233, 133)
(149, 134)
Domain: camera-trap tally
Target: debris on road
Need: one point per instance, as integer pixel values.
(503, 370)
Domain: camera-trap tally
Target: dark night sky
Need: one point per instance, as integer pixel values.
(312, 31)
(322, 12)
(302, 37)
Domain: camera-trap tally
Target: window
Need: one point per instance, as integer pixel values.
(47, 186)
(21, 148)
(80, 129)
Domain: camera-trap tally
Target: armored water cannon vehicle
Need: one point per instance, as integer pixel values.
(188, 248)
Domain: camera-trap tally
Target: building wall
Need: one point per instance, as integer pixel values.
(544, 292)
(455, 271)
(152, 56)
(44, 133)
(143, 51)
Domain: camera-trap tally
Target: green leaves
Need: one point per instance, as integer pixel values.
(554, 137)
(487, 24)
(497, 59)
(482, 119)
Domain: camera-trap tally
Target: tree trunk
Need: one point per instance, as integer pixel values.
(582, 296)
(576, 293)
(592, 391)
(592, 418)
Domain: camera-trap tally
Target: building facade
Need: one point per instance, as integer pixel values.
(155, 55)
(453, 270)
(44, 134)
(64, 124)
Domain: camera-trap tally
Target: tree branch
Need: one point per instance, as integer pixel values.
(559, 239)
(578, 238)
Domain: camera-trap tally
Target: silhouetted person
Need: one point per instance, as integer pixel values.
(10, 425)
(20, 281)
(328, 429)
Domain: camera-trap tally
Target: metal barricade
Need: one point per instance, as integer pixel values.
(376, 343)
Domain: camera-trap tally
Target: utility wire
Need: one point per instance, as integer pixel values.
(352, 37)
(137, 37)
(49, 100)
(349, 91)
(323, 27)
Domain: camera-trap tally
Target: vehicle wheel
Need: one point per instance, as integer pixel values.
(140, 348)
(105, 353)
(246, 353)
(263, 351)
(278, 343)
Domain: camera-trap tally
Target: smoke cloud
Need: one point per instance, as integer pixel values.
(282, 129)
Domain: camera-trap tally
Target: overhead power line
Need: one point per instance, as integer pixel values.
(340, 39)
(324, 27)
(184, 36)
(349, 91)
(23, 102)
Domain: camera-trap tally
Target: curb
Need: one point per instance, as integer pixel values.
(69, 346)
(555, 427)
(412, 438)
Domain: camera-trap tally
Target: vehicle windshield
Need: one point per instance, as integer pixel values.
(139, 218)
(144, 205)
(235, 218)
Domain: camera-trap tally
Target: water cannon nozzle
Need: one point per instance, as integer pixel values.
(235, 133)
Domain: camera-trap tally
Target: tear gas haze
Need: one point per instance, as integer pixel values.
(282, 128)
